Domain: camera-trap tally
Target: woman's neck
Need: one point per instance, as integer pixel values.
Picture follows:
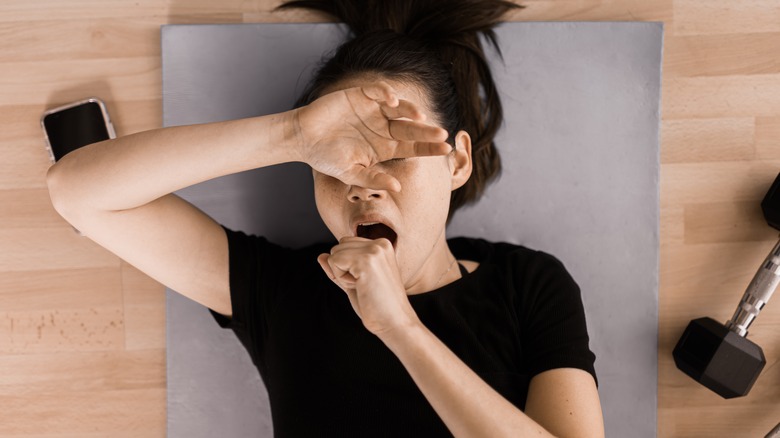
(440, 269)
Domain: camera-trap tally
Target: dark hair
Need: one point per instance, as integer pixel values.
(433, 44)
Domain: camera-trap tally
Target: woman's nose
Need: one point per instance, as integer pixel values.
(357, 194)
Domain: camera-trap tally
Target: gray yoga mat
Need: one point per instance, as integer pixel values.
(580, 148)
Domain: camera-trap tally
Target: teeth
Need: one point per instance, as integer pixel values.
(367, 224)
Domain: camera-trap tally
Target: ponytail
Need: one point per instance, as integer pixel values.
(434, 44)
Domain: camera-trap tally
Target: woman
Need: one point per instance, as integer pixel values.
(393, 330)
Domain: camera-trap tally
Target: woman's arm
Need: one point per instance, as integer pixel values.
(562, 402)
(118, 192)
(566, 402)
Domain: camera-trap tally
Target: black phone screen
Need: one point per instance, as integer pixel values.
(75, 127)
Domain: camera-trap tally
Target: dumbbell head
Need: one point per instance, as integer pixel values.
(771, 204)
(718, 358)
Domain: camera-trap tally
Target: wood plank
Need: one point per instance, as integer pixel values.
(144, 310)
(52, 330)
(707, 279)
(704, 140)
(134, 116)
(23, 146)
(721, 55)
(164, 11)
(27, 208)
(672, 226)
(114, 413)
(128, 79)
(750, 95)
(696, 17)
(732, 181)
(81, 372)
(726, 222)
(26, 164)
(45, 10)
(20, 122)
(768, 138)
(697, 412)
(83, 38)
(68, 288)
(27, 249)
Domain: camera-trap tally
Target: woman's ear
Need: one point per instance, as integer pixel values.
(461, 160)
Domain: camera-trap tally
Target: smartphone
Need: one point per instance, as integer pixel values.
(69, 127)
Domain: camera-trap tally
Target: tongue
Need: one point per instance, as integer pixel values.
(377, 231)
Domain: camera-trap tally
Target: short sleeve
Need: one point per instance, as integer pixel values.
(257, 268)
(555, 329)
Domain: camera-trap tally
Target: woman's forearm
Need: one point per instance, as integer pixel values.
(133, 170)
(467, 405)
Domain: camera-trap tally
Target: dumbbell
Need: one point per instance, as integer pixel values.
(719, 356)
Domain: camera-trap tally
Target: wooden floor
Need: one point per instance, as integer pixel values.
(82, 334)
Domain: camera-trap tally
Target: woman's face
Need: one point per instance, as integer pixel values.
(417, 214)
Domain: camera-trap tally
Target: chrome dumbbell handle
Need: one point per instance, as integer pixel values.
(757, 294)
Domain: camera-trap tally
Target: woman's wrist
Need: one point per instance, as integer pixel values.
(276, 141)
(404, 336)
(291, 139)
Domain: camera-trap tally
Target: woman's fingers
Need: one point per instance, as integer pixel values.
(402, 120)
(322, 259)
(431, 149)
(370, 126)
(339, 264)
(406, 130)
(372, 178)
(405, 109)
(340, 276)
(349, 243)
(381, 91)
(409, 149)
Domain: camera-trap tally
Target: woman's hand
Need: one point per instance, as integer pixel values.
(367, 271)
(344, 133)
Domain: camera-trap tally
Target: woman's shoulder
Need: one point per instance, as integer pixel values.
(264, 239)
(506, 258)
(479, 249)
(531, 277)
(241, 242)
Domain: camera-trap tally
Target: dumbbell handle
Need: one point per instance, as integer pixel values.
(757, 294)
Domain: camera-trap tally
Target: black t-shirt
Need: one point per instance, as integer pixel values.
(518, 314)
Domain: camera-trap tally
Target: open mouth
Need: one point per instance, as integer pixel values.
(375, 231)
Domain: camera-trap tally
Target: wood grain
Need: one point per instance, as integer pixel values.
(82, 333)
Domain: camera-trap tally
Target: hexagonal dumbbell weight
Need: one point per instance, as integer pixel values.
(719, 356)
